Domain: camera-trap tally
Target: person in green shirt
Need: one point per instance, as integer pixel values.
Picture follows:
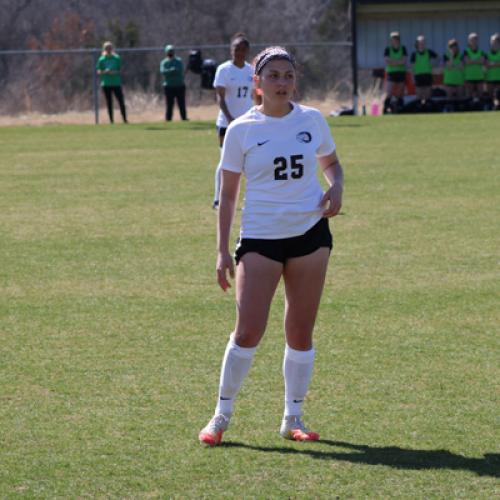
(172, 70)
(395, 68)
(453, 74)
(493, 70)
(421, 61)
(474, 60)
(108, 68)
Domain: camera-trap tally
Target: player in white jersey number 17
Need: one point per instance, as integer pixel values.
(234, 90)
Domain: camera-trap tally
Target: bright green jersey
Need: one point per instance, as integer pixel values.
(473, 72)
(493, 73)
(395, 55)
(110, 62)
(422, 64)
(455, 74)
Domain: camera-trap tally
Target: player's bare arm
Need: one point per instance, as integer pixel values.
(334, 175)
(228, 196)
(221, 99)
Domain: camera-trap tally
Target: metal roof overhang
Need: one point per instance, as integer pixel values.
(374, 8)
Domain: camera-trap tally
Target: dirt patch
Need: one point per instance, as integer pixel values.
(138, 113)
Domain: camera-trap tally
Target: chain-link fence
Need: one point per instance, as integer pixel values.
(57, 81)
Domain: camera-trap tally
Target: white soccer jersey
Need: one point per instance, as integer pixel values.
(238, 83)
(278, 157)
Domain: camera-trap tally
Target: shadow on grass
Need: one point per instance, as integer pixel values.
(391, 456)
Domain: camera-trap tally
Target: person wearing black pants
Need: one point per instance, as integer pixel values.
(108, 68)
(172, 94)
(172, 70)
(108, 94)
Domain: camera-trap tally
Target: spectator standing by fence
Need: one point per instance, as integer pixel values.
(395, 60)
(421, 61)
(474, 61)
(109, 68)
(172, 70)
(493, 70)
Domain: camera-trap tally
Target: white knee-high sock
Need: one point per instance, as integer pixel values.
(297, 370)
(217, 182)
(235, 365)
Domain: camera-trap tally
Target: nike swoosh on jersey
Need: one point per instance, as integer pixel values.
(263, 142)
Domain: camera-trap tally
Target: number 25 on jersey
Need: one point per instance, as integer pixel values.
(296, 168)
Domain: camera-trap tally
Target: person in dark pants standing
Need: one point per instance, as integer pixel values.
(474, 61)
(108, 68)
(172, 70)
(421, 61)
(395, 59)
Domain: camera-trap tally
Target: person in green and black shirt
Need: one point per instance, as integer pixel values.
(421, 61)
(453, 73)
(474, 61)
(109, 68)
(172, 70)
(493, 70)
(395, 59)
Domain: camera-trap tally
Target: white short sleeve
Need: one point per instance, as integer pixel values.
(327, 144)
(232, 157)
(220, 76)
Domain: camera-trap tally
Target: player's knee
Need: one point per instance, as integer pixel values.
(248, 335)
(299, 342)
(299, 334)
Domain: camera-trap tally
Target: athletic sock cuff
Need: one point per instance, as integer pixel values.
(241, 352)
(299, 356)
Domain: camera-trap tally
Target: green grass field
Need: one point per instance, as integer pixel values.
(112, 327)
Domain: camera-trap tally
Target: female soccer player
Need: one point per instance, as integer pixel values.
(421, 61)
(453, 74)
(395, 67)
(474, 61)
(234, 89)
(109, 68)
(284, 234)
(493, 71)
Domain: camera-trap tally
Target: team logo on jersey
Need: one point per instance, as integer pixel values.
(304, 137)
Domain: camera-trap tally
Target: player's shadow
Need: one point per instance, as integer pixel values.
(391, 456)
